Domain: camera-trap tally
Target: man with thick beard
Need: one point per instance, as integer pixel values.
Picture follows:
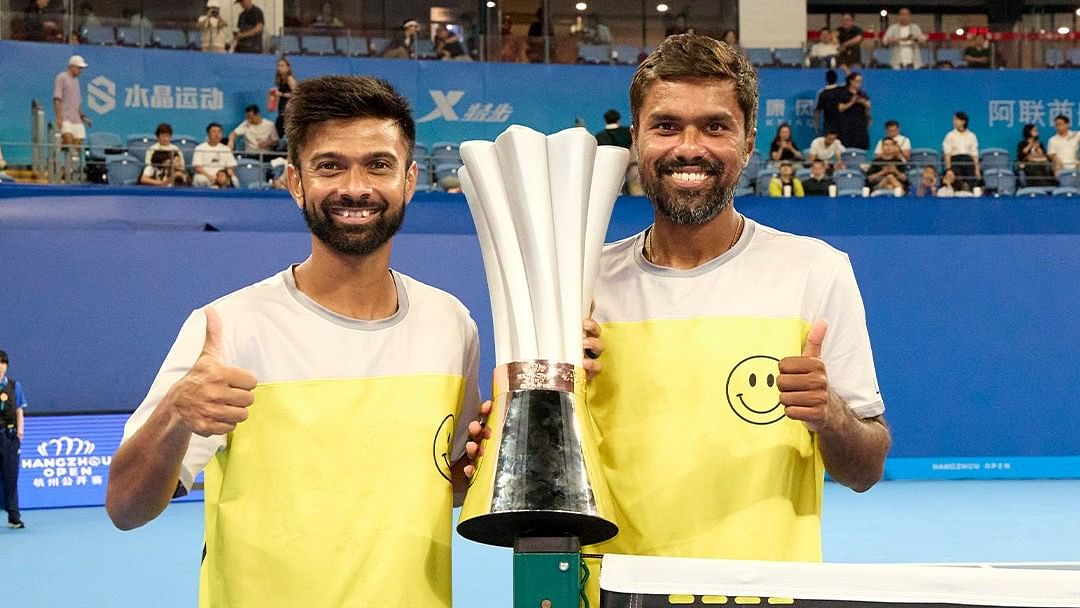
(724, 396)
(286, 391)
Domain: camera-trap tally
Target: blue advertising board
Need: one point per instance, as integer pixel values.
(129, 91)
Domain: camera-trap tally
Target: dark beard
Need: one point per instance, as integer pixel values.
(687, 208)
(351, 240)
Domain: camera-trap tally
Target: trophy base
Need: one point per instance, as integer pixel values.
(502, 529)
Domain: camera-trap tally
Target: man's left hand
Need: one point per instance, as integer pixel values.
(804, 383)
(593, 347)
(478, 432)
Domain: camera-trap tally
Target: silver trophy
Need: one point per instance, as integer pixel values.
(541, 205)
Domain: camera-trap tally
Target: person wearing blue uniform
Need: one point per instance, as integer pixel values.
(12, 402)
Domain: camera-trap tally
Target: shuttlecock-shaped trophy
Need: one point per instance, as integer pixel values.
(541, 205)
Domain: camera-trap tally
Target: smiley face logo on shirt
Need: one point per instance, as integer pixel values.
(441, 446)
(752, 392)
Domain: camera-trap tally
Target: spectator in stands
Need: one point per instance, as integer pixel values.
(448, 46)
(783, 148)
(214, 29)
(594, 31)
(825, 50)
(927, 183)
(222, 179)
(785, 184)
(614, 133)
(70, 119)
(260, 135)
(284, 83)
(248, 35)
(827, 149)
(826, 110)
(212, 156)
(1062, 147)
(854, 124)
(535, 51)
(677, 25)
(137, 20)
(978, 54)
(450, 184)
(849, 40)
(403, 44)
(818, 183)
(326, 17)
(904, 38)
(164, 142)
(888, 170)
(41, 22)
(951, 184)
(960, 150)
(1032, 160)
(730, 37)
(86, 17)
(165, 169)
(892, 130)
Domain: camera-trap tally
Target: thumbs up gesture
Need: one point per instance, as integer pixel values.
(804, 383)
(212, 398)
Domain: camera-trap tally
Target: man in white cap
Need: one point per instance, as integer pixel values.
(67, 103)
(215, 30)
(403, 44)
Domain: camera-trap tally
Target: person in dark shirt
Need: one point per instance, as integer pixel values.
(613, 134)
(889, 164)
(818, 183)
(448, 45)
(849, 37)
(783, 147)
(826, 111)
(1032, 160)
(978, 55)
(249, 28)
(41, 23)
(854, 114)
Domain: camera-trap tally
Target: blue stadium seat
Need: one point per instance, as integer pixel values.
(353, 46)
(445, 152)
(594, 53)
(745, 185)
(1001, 181)
(444, 169)
(194, 39)
(377, 45)
(881, 57)
(1073, 56)
(760, 57)
(761, 183)
(319, 45)
(1070, 192)
(802, 173)
(1054, 57)
(133, 36)
(98, 34)
(420, 152)
(170, 39)
(1033, 191)
(100, 143)
(921, 157)
(137, 144)
(924, 55)
(790, 58)
(250, 173)
(754, 164)
(423, 177)
(286, 44)
(849, 182)
(994, 158)
(952, 56)
(123, 169)
(187, 144)
(853, 158)
(1069, 178)
(625, 54)
(425, 48)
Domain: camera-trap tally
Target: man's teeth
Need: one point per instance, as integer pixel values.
(360, 213)
(689, 177)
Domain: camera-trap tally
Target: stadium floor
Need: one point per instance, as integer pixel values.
(74, 557)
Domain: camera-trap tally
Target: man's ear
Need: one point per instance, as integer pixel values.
(749, 149)
(296, 188)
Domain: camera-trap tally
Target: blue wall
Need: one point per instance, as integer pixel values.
(970, 302)
(455, 101)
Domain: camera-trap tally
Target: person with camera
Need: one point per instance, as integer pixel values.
(215, 30)
(854, 123)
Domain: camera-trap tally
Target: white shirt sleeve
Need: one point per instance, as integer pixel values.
(849, 361)
(185, 350)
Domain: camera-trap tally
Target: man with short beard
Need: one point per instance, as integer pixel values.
(724, 396)
(287, 390)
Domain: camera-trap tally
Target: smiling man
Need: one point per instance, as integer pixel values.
(725, 396)
(286, 391)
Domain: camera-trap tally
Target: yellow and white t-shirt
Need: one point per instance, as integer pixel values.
(700, 459)
(336, 490)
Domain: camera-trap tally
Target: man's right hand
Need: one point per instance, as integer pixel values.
(212, 398)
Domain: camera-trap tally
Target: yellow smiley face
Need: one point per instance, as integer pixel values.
(752, 392)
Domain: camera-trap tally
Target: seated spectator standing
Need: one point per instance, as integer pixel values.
(785, 184)
(828, 149)
(849, 40)
(960, 150)
(889, 169)
(823, 53)
(1032, 160)
(214, 29)
(904, 38)
(212, 156)
(951, 184)
(818, 183)
(978, 54)
(783, 147)
(403, 44)
(892, 130)
(927, 183)
(164, 142)
(260, 135)
(1062, 147)
(249, 28)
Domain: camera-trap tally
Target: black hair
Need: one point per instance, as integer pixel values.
(963, 118)
(163, 128)
(212, 125)
(611, 117)
(254, 109)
